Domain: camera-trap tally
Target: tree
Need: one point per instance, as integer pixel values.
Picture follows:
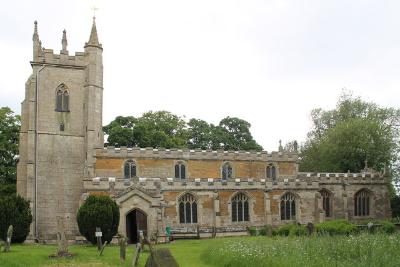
(15, 211)
(9, 135)
(234, 134)
(98, 211)
(166, 130)
(354, 134)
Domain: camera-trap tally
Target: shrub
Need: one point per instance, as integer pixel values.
(253, 231)
(291, 230)
(297, 230)
(15, 211)
(98, 211)
(336, 227)
(387, 227)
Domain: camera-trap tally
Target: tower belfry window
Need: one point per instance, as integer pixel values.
(62, 99)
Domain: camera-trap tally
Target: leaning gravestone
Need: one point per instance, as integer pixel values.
(122, 248)
(62, 248)
(310, 228)
(8, 241)
(161, 258)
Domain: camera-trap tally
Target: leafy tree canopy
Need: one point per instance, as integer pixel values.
(9, 135)
(353, 134)
(164, 129)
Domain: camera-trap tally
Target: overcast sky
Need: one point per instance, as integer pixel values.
(269, 62)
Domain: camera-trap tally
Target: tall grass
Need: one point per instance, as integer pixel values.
(353, 251)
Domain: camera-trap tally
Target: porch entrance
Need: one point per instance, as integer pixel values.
(136, 221)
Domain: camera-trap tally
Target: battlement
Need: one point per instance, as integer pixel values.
(186, 154)
(47, 56)
(343, 177)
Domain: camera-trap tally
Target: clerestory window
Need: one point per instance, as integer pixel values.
(130, 169)
(180, 171)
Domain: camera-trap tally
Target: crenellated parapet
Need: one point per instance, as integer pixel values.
(186, 154)
(349, 178)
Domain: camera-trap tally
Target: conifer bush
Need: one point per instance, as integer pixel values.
(15, 211)
(98, 211)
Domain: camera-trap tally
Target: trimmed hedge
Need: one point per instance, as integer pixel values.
(291, 230)
(15, 211)
(336, 227)
(98, 211)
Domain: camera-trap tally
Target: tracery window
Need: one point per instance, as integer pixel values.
(130, 169)
(180, 171)
(362, 203)
(271, 172)
(326, 202)
(187, 209)
(226, 171)
(240, 208)
(62, 99)
(288, 207)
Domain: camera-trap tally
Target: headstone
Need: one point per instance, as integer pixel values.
(102, 248)
(370, 226)
(8, 240)
(310, 228)
(136, 254)
(122, 248)
(98, 235)
(62, 243)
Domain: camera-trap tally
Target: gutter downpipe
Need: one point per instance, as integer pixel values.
(36, 149)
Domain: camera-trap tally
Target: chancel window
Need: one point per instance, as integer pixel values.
(362, 203)
(130, 169)
(271, 172)
(326, 202)
(187, 209)
(180, 171)
(62, 99)
(226, 171)
(240, 208)
(288, 207)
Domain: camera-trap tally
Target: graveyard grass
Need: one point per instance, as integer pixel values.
(354, 251)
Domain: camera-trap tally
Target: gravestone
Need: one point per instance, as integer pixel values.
(122, 248)
(310, 228)
(99, 234)
(62, 243)
(7, 245)
(102, 248)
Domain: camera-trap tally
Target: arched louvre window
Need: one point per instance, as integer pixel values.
(187, 209)
(240, 208)
(362, 203)
(226, 171)
(180, 171)
(288, 207)
(130, 169)
(326, 202)
(62, 99)
(271, 172)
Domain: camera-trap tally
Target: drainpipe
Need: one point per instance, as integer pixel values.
(36, 150)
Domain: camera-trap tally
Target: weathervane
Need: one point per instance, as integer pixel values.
(94, 8)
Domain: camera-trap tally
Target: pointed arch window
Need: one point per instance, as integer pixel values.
(271, 172)
(62, 99)
(227, 171)
(180, 170)
(362, 203)
(326, 202)
(288, 207)
(240, 208)
(130, 169)
(187, 209)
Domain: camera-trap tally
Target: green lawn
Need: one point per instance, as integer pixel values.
(354, 251)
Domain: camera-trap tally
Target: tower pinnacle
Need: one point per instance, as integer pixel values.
(93, 39)
(64, 42)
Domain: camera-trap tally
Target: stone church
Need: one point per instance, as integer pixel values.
(194, 192)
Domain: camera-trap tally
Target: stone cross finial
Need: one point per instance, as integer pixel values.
(94, 8)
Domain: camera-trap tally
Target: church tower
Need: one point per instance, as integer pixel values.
(61, 125)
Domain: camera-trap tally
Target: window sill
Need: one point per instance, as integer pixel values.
(56, 110)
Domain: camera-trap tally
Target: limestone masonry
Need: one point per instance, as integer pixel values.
(193, 192)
